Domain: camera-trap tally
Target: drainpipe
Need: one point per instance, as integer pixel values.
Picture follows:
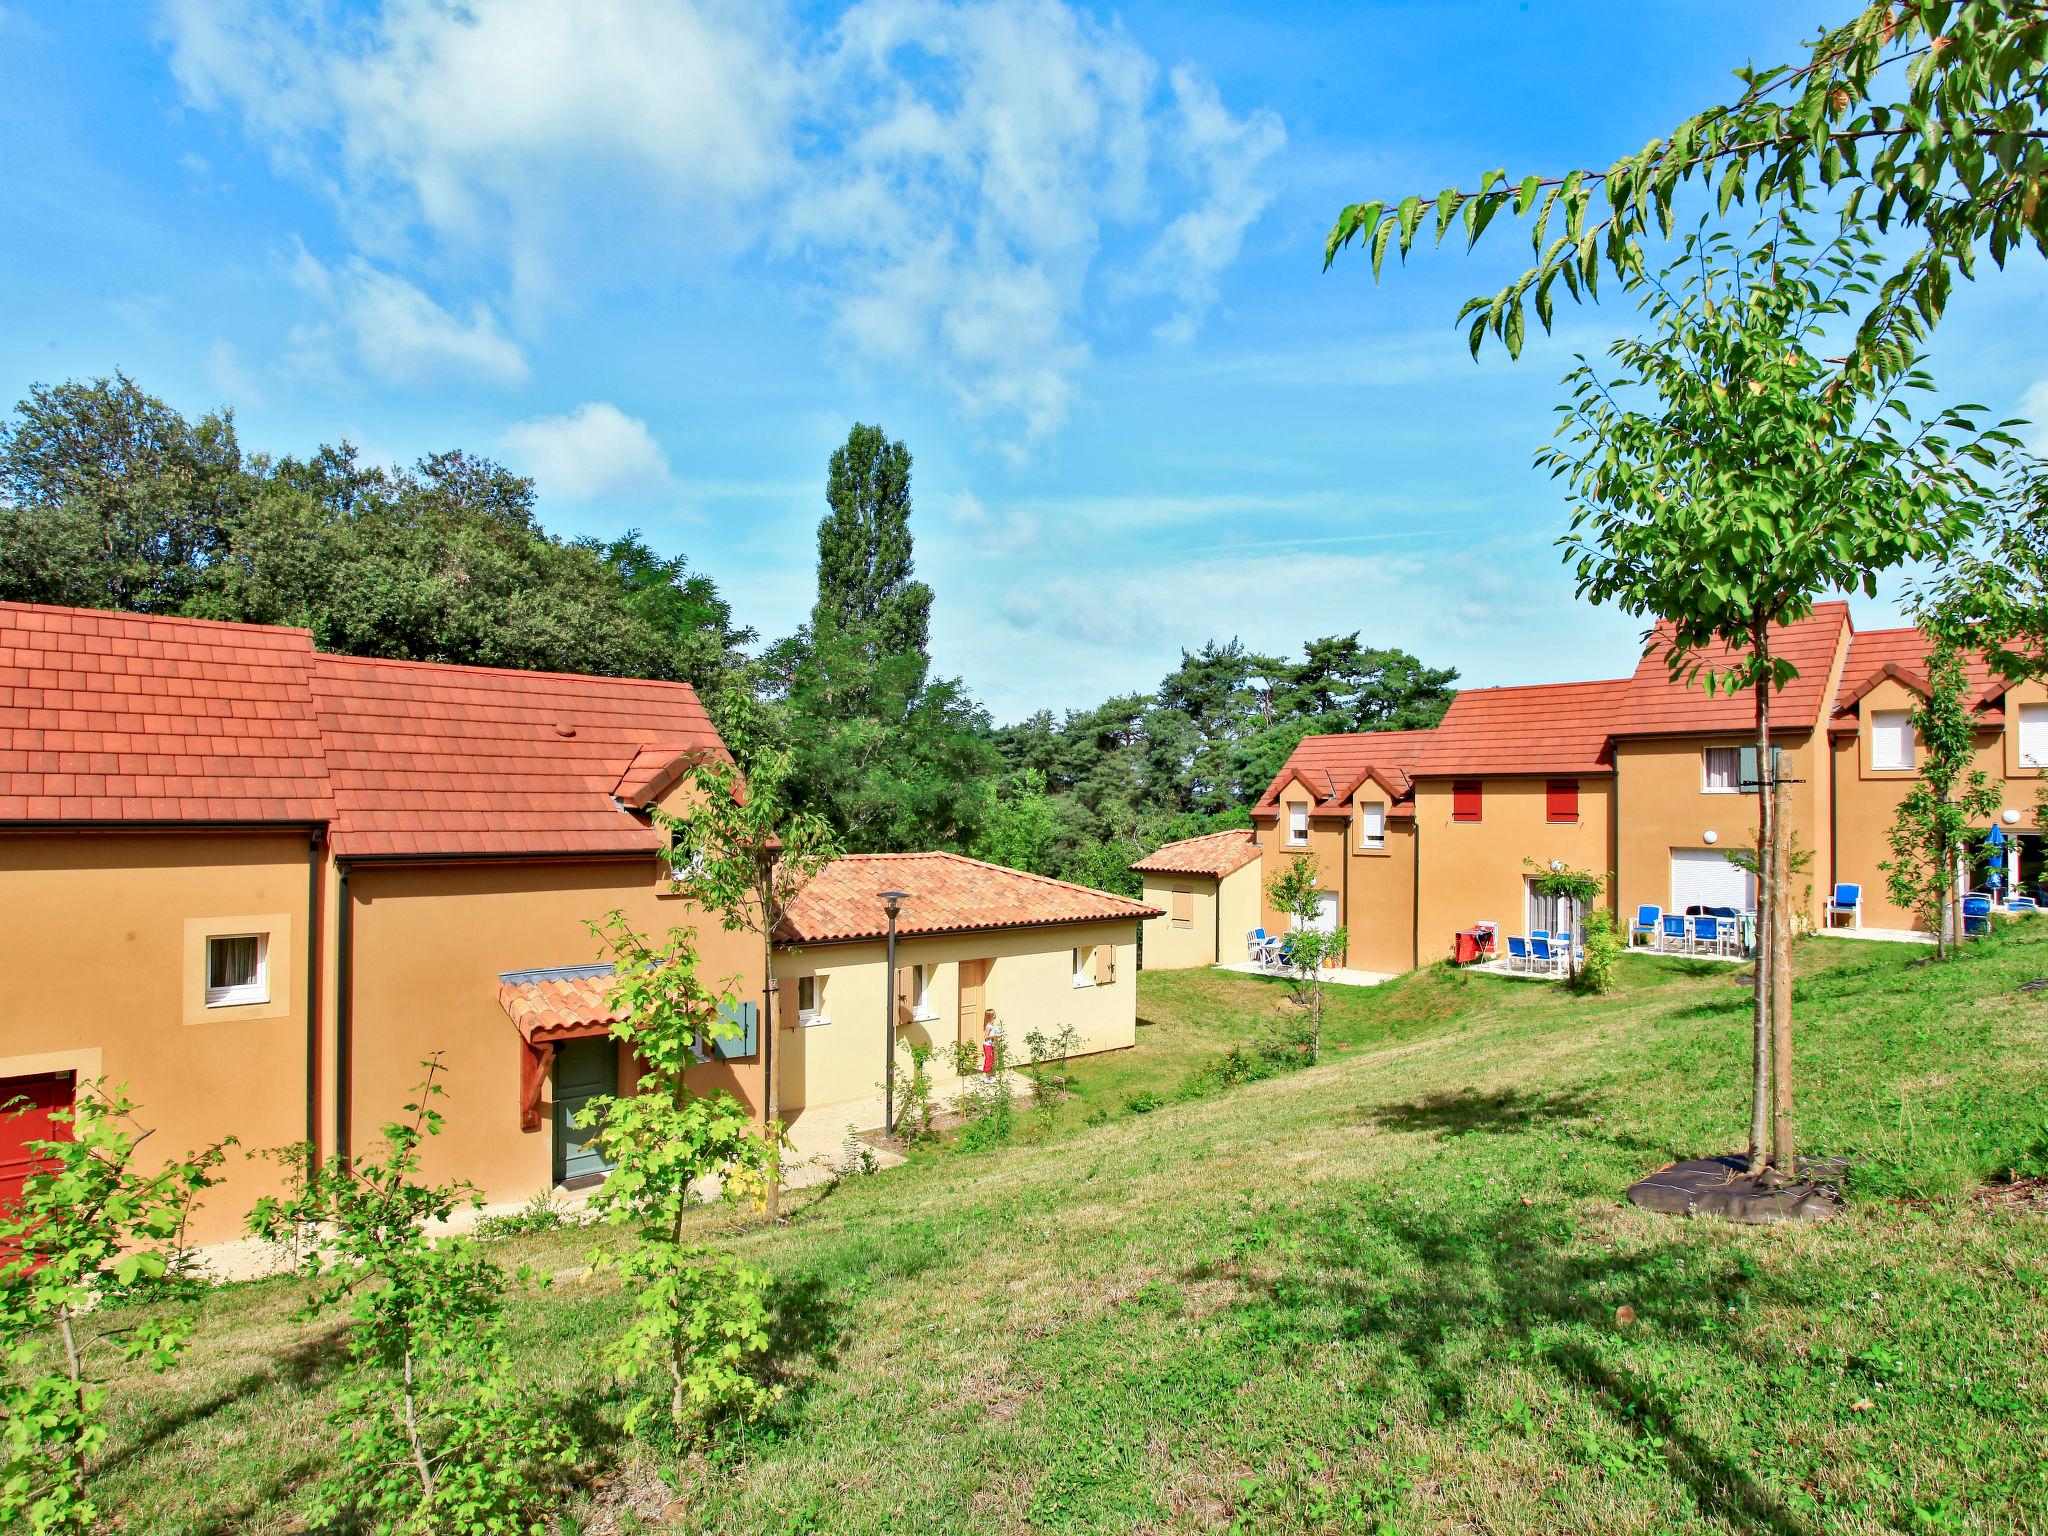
(1834, 820)
(313, 1004)
(1415, 894)
(1344, 889)
(344, 1007)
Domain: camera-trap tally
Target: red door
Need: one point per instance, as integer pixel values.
(22, 1123)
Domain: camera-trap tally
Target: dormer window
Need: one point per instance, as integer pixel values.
(1372, 825)
(1891, 740)
(1297, 826)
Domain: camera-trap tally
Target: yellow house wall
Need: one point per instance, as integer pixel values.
(1474, 871)
(430, 942)
(2019, 696)
(1326, 839)
(1030, 987)
(1169, 947)
(1867, 800)
(1241, 898)
(95, 937)
(1664, 804)
(1379, 899)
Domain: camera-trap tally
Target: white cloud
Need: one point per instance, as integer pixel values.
(2034, 407)
(943, 175)
(594, 451)
(398, 333)
(226, 372)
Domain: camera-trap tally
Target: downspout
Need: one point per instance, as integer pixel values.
(1344, 889)
(1216, 913)
(344, 1006)
(1834, 820)
(1415, 893)
(1614, 905)
(313, 1005)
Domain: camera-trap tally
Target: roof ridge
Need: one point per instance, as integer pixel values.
(518, 672)
(239, 625)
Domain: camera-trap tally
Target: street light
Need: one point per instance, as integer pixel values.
(891, 901)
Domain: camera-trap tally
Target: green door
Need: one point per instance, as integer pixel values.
(584, 1070)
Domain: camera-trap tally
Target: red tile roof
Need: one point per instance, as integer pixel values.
(431, 759)
(1657, 705)
(1214, 853)
(1334, 766)
(1549, 728)
(561, 1006)
(122, 717)
(1876, 654)
(947, 893)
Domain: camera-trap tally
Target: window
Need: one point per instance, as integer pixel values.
(1891, 739)
(1561, 800)
(1372, 825)
(1723, 770)
(1183, 907)
(236, 970)
(1297, 826)
(1550, 914)
(1465, 800)
(1082, 955)
(2034, 735)
(810, 1000)
(1105, 964)
(920, 992)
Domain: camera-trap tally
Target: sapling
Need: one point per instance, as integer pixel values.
(700, 1320)
(89, 1226)
(1297, 891)
(431, 1433)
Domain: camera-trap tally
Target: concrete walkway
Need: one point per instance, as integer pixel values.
(1335, 976)
(1879, 935)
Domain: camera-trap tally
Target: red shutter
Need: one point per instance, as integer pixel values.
(1562, 800)
(1465, 800)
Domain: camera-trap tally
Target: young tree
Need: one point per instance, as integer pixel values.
(1297, 891)
(1726, 478)
(1932, 833)
(701, 1317)
(89, 1226)
(744, 851)
(434, 1436)
(1580, 887)
(1929, 110)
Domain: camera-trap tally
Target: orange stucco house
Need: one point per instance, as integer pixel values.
(1418, 834)
(259, 885)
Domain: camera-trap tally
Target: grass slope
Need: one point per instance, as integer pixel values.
(1395, 1293)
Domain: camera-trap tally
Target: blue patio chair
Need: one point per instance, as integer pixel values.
(2022, 904)
(1261, 947)
(1542, 956)
(1647, 919)
(1674, 935)
(1518, 953)
(1976, 915)
(1844, 901)
(1707, 933)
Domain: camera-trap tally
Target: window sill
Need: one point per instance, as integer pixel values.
(811, 1021)
(1080, 984)
(926, 1017)
(236, 999)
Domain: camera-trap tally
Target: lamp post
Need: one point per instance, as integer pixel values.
(891, 901)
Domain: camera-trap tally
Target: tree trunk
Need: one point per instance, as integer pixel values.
(412, 1437)
(1760, 1024)
(1784, 1151)
(771, 1089)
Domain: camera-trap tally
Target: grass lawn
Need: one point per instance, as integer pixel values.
(1397, 1292)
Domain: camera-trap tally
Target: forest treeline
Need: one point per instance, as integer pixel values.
(111, 498)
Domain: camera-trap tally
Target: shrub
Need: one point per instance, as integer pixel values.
(987, 1102)
(914, 1106)
(1603, 952)
(1052, 1080)
(86, 1229)
(543, 1213)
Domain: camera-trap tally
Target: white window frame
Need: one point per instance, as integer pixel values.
(1734, 784)
(1367, 838)
(921, 993)
(1084, 954)
(240, 995)
(2033, 741)
(1892, 725)
(812, 1015)
(1297, 825)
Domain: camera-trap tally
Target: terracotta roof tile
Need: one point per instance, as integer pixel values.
(552, 1006)
(1214, 853)
(1334, 766)
(1875, 654)
(428, 758)
(1657, 705)
(948, 893)
(186, 689)
(1548, 728)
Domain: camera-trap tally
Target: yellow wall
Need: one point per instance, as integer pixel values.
(1379, 900)
(1867, 799)
(430, 942)
(1031, 986)
(1168, 945)
(1326, 838)
(1475, 871)
(105, 981)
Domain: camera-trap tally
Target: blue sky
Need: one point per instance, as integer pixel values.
(660, 255)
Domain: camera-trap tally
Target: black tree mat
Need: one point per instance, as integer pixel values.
(1718, 1186)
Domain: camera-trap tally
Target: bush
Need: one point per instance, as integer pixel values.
(1603, 952)
(543, 1213)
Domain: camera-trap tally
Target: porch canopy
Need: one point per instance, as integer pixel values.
(548, 1006)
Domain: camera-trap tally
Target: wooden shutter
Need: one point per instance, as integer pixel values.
(1183, 907)
(1561, 800)
(1105, 964)
(903, 1012)
(785, 1004)
(973, 999)
(1465, 800)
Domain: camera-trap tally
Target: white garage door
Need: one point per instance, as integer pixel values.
(1703, 877)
